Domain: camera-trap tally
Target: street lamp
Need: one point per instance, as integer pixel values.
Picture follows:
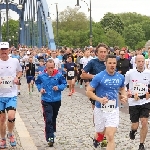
(57, 20)
(89, 10)
(90, 25)
(57, 24)
(48, 16)
(7, 25)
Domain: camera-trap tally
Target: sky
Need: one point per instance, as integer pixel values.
(99, 7)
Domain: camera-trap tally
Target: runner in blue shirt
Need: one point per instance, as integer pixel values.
(107, 84)
(94, 67)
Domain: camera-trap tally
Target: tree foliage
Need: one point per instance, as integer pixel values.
(114, 38)
(112, 21)
(133, 35)
(13, 31)
(123, 29)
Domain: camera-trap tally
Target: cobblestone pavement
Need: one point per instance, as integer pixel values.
(74, 123)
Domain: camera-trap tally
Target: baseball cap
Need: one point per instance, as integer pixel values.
(4, 45)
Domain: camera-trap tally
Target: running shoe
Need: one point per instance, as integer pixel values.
(3, 143)
(132, 135)
(95, 143)
(141, 147)
(50, 142)
(70, 94)
(12, 140)
(81, 86)
(104, 143)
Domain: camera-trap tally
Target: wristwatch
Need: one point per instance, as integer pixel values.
(18, 77)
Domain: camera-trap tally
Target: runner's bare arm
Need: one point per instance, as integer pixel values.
(19, 74)
(123, 95)
(85, 75)
(90, 93)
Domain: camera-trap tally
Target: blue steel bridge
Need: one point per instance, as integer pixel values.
(35, 26)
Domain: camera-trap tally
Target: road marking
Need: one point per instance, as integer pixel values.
(24, 136)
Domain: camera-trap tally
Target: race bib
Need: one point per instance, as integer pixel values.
(7, 82)
(140, 89)
(71, 73)
(108, 107)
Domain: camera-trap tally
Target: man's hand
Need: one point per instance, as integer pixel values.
(27, 68)
(129, 94)
(103, 100)
(123, 99)
(55, 88)
(16, 80)
(42, 91)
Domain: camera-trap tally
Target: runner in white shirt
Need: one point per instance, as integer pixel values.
(56, 60)
(138, 52)
(84, 61)
(10, 71)
(139, 98)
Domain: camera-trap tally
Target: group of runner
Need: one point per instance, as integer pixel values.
(104, 85)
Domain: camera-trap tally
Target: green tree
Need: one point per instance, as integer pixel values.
(134, 34)
(112, 21)
(114, 38)
(13, 29)
(72, 19)
(99, 35)
(132, 18)
(140, 44)
(146, 28)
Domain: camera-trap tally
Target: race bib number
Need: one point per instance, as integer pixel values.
(108, 107)
(140, 89)
(71, 73)
(7, 82)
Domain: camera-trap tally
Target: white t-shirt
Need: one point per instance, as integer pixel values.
(8, 71)
(138, 83)
(133, 62)
(26, 59)
(85, 60)
(57, 63)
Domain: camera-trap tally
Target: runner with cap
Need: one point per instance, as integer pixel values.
(10, 71)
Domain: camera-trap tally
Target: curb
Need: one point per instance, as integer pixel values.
(24, 136)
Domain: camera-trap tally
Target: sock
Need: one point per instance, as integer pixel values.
(133, 131)
(141, 144)
(9, 134)
(100, 137)
(18, 90)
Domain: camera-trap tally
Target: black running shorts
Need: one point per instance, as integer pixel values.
(139, 111)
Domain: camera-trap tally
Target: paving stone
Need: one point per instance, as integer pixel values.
(74, 123)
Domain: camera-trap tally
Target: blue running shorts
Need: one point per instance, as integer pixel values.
(6, 102)
(30, 78)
